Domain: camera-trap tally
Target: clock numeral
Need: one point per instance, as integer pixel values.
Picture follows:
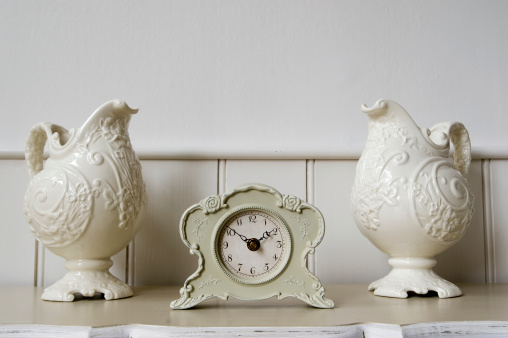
(239, 266)
(266, 267)
(252, 270)
(239, 221)
(252, 218)
(275, 257)
(275, 231)
(279, 244)
(230, 258)
(225, 245)
(230, 231)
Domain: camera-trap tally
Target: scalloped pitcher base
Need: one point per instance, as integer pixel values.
(88, 278)
(416, 275)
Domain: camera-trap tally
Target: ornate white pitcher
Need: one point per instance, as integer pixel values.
(410, 198)
(86, 204)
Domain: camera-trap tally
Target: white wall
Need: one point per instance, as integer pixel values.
(221, 75)
(271, 86)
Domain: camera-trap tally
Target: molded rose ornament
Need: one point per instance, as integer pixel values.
(87, 201)
(410, 198)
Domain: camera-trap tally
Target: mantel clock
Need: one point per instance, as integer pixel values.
(252, 243)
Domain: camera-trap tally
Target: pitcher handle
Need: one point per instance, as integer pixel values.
(462, 144)
(459, 136)
(34, 151)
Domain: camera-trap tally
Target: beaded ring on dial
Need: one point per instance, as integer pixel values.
(252, 244)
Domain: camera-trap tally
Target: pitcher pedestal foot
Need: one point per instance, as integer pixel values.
(416, 275)
(87, 277)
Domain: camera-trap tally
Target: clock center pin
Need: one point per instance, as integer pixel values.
(253, 244)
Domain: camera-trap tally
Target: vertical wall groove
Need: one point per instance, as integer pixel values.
(130, 267)
(41, 264)
(311, 198)
(221, 176)
(490, 264)
(36, 261)
(127, 264)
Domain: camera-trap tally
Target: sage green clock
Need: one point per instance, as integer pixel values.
(252, 243)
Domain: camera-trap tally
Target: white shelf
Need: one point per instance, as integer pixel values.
(482, 310)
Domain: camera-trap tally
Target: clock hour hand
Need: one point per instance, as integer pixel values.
(267, 234)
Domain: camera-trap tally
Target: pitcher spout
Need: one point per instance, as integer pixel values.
(388, 111)
(121, 107)
(112, 110)
(378, 108)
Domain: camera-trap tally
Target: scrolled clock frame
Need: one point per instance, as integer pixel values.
(301, 223)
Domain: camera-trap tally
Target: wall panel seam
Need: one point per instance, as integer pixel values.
(310, 188)
(221, 176)
(36, 262)
(488, 216)
(41, 268)
(130, 267)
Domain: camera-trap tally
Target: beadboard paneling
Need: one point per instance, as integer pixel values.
(160, 257)
(499, 216)
(288, 177)
(17, 245)
(345, 255)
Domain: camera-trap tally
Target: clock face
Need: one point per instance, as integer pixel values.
(253, 245)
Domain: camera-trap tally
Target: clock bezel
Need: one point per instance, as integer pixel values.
(282, 264)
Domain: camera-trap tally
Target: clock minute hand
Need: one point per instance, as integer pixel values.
(252, 243)
(244, 238)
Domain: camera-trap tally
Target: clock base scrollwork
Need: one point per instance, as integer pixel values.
(317, 300)
(88, 278)
(413, 275)
(186, 301)
(315, 297)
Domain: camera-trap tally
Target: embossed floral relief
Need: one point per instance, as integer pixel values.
(66, 186)
(210, 281)
(200, 226)
(367, 199)
(212, 204)
(66, 219)
(291, 202)
(374, 187)
(130, 195)
(442, 218)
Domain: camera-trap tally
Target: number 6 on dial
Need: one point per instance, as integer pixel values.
(252, 243)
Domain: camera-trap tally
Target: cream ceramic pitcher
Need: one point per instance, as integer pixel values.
(86, 202)
(410, 197)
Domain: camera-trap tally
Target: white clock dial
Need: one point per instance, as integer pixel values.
(253, 246)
